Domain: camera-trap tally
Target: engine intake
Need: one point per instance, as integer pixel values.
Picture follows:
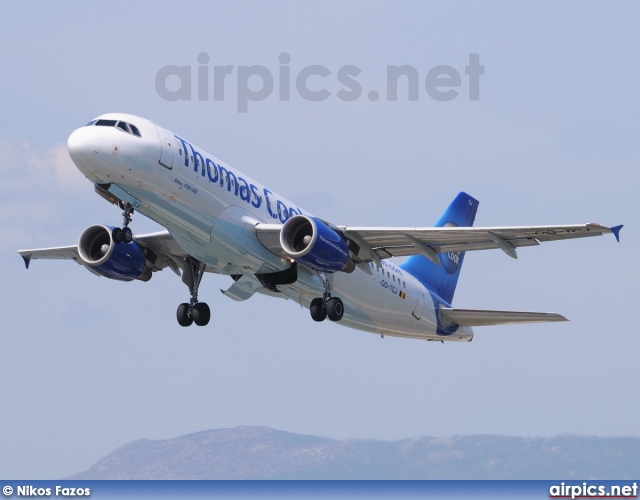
(313, 244)
(121, 261)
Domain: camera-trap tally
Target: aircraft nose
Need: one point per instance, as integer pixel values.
(82, 144)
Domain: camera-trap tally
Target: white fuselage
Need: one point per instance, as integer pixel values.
(211, 210)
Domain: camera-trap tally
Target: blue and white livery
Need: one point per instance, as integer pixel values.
(221, 221)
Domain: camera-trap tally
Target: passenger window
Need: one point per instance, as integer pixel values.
(135, 130)
(394, 278)
(404, 285)
(180, 151)
(124, 126)
(388, 275)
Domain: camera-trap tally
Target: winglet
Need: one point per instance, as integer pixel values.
(26, 259)
(616, 231)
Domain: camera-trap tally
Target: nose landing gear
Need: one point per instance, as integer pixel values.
(124, 234)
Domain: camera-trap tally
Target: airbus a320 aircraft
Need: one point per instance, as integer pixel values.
(219, 220)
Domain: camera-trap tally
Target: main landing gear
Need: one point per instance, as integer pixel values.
(327, 306)
(193, 312)
(124, 234)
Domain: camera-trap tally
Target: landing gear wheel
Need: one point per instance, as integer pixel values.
(185, 318)
(317, 310)
(201, 314)
(335, 309)
(117, 235)
(193, 312)
(127, 235)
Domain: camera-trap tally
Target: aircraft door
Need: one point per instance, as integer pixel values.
(417, 313)
(166, 147)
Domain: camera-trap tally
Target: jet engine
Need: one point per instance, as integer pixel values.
(119, 261)
(313, 244)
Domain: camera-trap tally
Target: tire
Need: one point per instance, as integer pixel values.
(335, 309)
(127, 235)
(201, 314)
(317, 310)
(116, 235)
(185, 318)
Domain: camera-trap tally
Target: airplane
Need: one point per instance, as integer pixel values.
(219, 220)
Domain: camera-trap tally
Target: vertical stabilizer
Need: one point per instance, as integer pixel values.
(442, 279)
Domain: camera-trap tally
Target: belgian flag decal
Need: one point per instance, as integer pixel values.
(402, 294)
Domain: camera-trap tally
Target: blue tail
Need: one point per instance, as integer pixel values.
(443, 279)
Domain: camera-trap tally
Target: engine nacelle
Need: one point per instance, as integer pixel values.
(119, 261)
(310, 242)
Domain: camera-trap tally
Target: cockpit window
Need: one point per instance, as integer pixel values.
(124, 126)
(106, 123)
(135, 130)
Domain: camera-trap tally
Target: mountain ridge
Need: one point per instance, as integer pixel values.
(251, 452)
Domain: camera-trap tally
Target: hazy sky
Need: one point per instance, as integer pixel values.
(89, 364)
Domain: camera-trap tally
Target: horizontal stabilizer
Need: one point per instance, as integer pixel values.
(480, 317)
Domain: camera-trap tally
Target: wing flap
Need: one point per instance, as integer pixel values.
(483, 317)
(385, 252)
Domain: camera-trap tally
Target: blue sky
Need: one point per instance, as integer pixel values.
(89, 364)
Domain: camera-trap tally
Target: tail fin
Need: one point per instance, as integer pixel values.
(443, 279)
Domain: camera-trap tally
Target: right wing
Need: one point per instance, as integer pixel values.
(161, 251)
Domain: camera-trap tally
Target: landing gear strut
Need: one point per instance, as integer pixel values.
(327, 306)
(194, 311)
(124, 234)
